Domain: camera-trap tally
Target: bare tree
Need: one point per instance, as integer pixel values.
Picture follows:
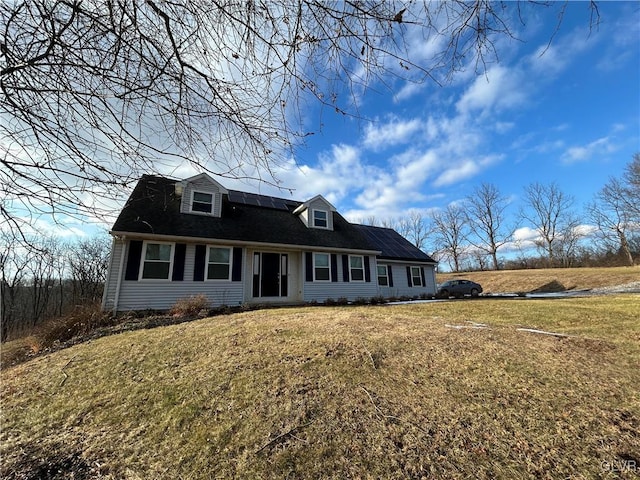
(566, 248)
(46, 277)
(549, 210)
(486, 213)
(96, 93)
(631, 179)
(88, 263)
(611, 215)
(632, 174)
(414, 228)
(13, 264)
(45, 267)
(450, 231)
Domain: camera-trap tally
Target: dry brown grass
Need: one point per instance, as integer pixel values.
(339, 392)
(550, 279)
(82, 320)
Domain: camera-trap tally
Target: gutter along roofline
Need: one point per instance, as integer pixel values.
(244, 243)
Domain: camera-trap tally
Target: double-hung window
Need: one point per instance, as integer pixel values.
(416, 276)
(321, 267)
(157, 261)
(202, 202)
(320, 219)
(383, 276)
(219, 263)
(356, 268)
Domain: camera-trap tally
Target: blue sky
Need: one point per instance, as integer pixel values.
(565, 112)
(570, 115)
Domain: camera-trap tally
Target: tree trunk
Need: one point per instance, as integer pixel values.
(624, 246)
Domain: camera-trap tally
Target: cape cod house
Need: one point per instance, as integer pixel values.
(174, 239)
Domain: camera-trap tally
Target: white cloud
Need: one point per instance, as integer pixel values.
(504, 127)
(550, 59)
(465, 169)
(501, 88)
(45, 226)
(601, 146)
(393, 132)
(408, 90)
(585, 230)
(414, 168)
(624, 34)
(525, 234)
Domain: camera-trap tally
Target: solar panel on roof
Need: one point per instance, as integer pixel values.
(391, 243)
(255, 200)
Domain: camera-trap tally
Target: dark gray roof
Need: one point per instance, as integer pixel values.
(392, 245)
(154, 208)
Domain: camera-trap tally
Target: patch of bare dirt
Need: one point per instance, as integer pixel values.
(55, 462)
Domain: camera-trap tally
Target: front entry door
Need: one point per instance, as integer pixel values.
(270, 277)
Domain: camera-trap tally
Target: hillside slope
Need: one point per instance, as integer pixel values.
(330, 392)
(549, 279)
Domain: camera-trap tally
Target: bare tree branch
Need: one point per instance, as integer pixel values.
(94, 94)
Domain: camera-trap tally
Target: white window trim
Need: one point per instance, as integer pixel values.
(313, 218)
(364, 277)
(142, 261)
(413, 284)
(213, 202)
(328, 267)
(386, 275)
(206, 264)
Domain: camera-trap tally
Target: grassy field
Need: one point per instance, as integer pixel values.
(340, 392)
(549, 280)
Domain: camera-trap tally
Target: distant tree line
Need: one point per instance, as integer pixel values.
(47, 277)
(470, 234)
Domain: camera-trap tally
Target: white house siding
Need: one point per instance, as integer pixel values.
(321, 291)
(109, 296)
(401, 286)
(163, 294)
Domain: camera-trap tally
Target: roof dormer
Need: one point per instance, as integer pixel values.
(201, 195)
(316, 213)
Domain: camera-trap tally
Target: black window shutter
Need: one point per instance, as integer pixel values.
(284, 279)
(390, 275)
(334, 267)
(424, 284)
(367, 269)
(133, 260)
(199, 267)
(236, 271)
(409, 282)
(345, 268)
(178, 262)
(309, 266)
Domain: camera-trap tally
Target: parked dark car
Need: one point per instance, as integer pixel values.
(458, 289)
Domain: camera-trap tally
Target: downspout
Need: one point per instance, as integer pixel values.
(120, 274)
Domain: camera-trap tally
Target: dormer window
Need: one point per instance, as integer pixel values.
(316, 213)
(320, 219)
(202, 202)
